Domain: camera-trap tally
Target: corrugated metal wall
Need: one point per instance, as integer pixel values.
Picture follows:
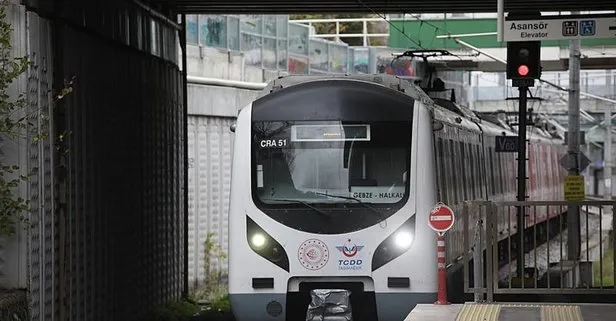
(40, 162)
(210, 146)
(107, 241)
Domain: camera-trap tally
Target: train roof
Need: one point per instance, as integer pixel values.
(443, 110)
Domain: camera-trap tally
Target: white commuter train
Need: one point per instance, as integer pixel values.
(333, 178)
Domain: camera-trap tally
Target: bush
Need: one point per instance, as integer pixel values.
(175, 311)
(214, 286)
(221, 304)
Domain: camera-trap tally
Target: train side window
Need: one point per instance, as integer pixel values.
(441, 170)
(463, 173)
(548, 165)
(445, 171)
(480, 173)
(499, 171)
(447, 167)
(545, 165)
(454, 179)
(490, 168)
(460, 172)
(472, 172)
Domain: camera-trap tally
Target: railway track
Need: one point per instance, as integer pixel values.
(549, 250)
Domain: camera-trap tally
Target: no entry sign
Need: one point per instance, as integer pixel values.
(441, 218)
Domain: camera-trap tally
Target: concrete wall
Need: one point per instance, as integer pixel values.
(211, 111)
(223, 64)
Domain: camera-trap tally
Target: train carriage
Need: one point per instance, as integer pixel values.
(333, 178)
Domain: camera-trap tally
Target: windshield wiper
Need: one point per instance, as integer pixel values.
(368, 206)
(300, 202)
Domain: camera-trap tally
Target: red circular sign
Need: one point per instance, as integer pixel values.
(441, 218)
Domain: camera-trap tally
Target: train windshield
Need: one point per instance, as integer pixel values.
(331, 162)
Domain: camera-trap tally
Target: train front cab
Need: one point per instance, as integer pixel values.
(252, 294)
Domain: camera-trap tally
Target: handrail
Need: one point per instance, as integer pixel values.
(225, 83)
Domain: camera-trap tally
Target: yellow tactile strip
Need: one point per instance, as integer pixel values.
(483, 312)
(561, 313)
(491, 312)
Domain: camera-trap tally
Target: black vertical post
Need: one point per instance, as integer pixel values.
(521, 210)
(185, 136)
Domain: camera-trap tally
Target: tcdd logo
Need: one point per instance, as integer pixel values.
(349, 249)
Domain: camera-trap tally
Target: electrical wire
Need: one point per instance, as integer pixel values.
(391, 24)
(418, 43)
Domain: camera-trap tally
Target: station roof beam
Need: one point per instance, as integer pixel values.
(381, 6)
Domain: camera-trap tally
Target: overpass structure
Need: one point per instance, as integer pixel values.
(394, 6)
(106, 235)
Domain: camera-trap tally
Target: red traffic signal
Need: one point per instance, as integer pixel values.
(524, 60)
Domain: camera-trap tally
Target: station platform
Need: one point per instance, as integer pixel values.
(513, 312)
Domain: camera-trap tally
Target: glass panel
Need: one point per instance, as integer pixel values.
(269, 25)
(319, 58)
(283, 22)
(192, 35)
(251, 46)
(233, 33)
(338, 58)
(298, 65)
(251, 23)
(298, 39)
(350, 60)
(213, 31)
(269, 54)
(360, 60)
(282, 55)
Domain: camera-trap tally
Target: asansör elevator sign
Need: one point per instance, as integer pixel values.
(560, 28)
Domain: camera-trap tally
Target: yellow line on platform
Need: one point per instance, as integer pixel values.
(561, 313)
(483, 312)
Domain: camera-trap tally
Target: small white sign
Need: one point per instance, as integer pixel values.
(562, 28)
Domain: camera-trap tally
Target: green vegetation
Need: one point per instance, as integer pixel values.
(17, 123)
(13, 208)
(608, 270)
(175, 311)
(214, 288)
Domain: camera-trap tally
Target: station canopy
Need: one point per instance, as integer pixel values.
(371, 6)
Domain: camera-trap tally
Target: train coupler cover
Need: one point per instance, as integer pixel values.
(329, 305)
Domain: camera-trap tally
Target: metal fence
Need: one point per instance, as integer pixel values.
(549, 266)
(105, 240)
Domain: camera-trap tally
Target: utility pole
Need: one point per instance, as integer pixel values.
(607, 155)
(573, 146)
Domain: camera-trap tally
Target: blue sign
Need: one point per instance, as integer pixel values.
(588, 27)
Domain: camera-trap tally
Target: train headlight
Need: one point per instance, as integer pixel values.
(263, 244)
(403, 239)
(258, 240)
(396, 244)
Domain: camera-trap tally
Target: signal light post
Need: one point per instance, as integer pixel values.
(523, 67)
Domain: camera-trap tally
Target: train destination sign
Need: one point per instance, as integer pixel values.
(560, 28)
